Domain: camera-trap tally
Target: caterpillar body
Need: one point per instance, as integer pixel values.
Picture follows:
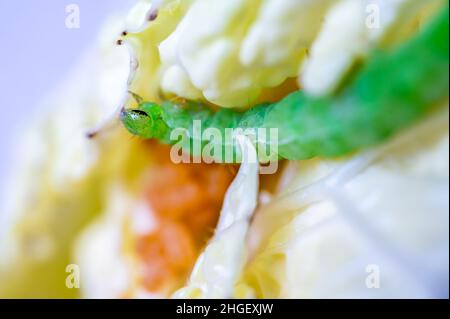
(392, 90)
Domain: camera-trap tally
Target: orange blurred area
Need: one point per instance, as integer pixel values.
(186, 200)
(167, 254)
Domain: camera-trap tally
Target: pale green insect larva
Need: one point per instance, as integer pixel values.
(392, 90)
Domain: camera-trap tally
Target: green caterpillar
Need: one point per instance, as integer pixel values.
(391, 91)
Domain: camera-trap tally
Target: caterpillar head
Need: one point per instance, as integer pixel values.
(146, 121)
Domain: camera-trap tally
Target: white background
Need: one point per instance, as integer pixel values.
(36, 52)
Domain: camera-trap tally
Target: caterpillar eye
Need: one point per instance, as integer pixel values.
(139, 112)
(135, 113)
